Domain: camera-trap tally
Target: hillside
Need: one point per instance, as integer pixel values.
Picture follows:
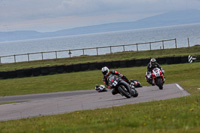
(165, 19)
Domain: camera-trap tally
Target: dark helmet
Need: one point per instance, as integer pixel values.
(97, 86)
(105, 71)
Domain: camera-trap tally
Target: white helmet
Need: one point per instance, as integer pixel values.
(153, 60)
(105, 71)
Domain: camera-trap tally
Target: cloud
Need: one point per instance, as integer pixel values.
(42, 11)
(51, 8)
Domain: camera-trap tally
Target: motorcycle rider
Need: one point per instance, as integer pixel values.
(152, 64)
(106, 72)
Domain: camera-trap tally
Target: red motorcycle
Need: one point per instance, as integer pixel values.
(158, 78)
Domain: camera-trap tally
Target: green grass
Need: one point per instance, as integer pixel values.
(179, 115)
(109, 57)
(12, 102)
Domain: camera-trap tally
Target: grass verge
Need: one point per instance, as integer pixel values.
(12, 102)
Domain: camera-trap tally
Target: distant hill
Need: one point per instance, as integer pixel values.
(165, 19)
(19, 35)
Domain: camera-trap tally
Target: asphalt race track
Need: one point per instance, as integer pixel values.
(63, 102)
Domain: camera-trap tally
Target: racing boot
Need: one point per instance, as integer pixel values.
(152, 82)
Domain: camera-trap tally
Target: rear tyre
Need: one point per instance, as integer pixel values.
(124, 91)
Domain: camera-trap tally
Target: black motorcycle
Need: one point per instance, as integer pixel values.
(121, 86)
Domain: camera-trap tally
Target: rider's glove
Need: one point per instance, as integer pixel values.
(122, 76)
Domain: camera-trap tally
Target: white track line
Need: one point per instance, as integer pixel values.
(181, 89)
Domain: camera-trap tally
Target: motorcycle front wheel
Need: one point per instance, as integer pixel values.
(135, 93)
(159, 83)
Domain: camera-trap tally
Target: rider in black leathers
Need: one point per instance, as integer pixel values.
(106, 72)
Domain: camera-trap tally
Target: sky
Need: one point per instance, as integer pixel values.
(53, 15)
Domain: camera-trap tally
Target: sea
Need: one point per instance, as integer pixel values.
(186, 35)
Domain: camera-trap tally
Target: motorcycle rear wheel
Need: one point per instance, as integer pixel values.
(124, 92)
